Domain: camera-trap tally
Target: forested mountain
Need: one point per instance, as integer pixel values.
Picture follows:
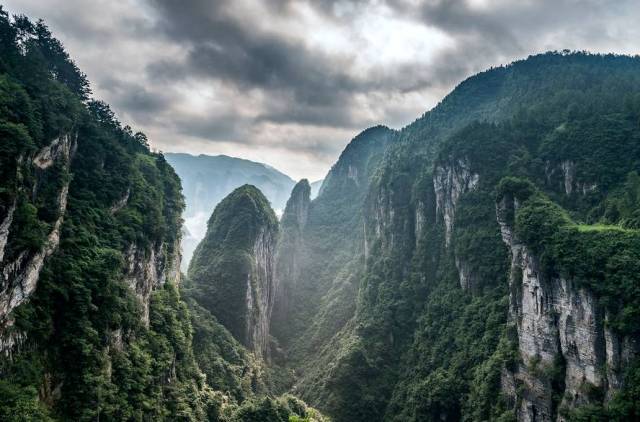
(479, 264)
(484, 268)
(232, 269)
(92, 323)
(206, 180)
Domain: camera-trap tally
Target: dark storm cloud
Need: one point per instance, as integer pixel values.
(219, 46)
(267, 63)
(253, 73)
(312, 87)
(227, 127)
(136, 98)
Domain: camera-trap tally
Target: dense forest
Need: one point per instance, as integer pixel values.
(493, 278)
(92, 323)
(478, 264)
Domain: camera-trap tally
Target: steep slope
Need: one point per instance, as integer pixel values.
(290, 256)
(440, 327)
(232, 271)
(327, 239)
(92, 325)
(230, 292)
(89, 252)
(206, 180)
(574, 300)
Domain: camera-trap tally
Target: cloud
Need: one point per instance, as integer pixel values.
(290, 82)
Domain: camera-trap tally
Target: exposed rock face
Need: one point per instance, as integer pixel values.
(565, 176)
(148, 270)
(62, 147)
(569, 173)
(466, 274)
(121, 203)
(145, 270)
(261, 291)
(19, 278)
(382, 218)
(450, 181)
(564, 347)
(4, 229)
(290, 252)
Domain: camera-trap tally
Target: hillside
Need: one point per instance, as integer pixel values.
(206, 180)
(92, 323)
(479, 264)
(232, 269)
(439, 308)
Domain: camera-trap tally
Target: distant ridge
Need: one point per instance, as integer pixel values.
(207, 179)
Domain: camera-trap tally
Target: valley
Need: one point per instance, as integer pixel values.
(478, 264)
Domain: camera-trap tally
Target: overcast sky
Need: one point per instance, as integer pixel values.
(290, 82)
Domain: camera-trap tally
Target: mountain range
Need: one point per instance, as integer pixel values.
(478, 264)
(207, 179)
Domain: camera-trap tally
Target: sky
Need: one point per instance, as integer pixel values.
(291, 82)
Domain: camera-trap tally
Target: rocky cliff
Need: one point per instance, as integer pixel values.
(443, 312)
(290, 256)
(92, 323)
(89, 252)
(232, 272)
(20, 276)
(570, 356)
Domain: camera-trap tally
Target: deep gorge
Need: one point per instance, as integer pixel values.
(477, 264)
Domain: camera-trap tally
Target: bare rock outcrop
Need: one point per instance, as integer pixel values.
(564, 347)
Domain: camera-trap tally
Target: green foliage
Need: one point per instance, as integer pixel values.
(564, 124)
(21, 404)
(101, 337)
(222, 262)
(623, 205)
(601, 258)
(88, 354)
(395, 339)
(227, 365)
(624, 406)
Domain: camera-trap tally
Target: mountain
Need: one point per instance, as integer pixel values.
(482, 266)
(478, 264)
(232, 268)
(89, 252)
(206, 180)
(328, 234)
(93, 325)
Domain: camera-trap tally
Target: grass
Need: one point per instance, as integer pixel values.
(602, 228)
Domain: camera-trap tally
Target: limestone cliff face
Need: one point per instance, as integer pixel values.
(290, 254)
(564, 346)
(146, 270)
(232, 271)
(261, 292)
(19, 276)
(563, 176)
(452, 179)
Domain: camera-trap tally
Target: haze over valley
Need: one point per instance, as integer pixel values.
(298, 211)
